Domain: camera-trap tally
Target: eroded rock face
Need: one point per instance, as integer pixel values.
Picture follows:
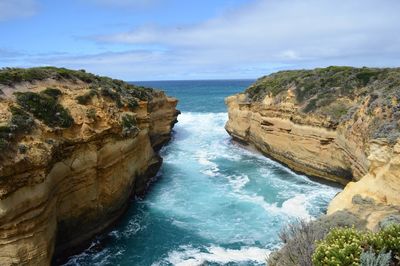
(338, 123)
(377, 195)
(308, 144)
(68, 184)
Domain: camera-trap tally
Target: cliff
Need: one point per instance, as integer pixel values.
(73, 148)
(336, 123)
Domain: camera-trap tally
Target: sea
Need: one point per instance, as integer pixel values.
(214, 201)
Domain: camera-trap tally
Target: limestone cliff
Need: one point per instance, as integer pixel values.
(338, 123)
(74, 147)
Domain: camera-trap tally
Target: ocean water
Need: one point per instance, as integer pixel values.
(214, 202)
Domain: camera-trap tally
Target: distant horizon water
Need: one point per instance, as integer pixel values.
(214, 202)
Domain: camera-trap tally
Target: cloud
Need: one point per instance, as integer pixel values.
(295, 32)
(253, 40)
(11, 9)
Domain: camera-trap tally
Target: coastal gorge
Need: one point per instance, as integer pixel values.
(317, 148)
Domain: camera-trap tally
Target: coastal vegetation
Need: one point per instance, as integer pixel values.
(347, 246)
(335, 241)
(85, 98)
(13, 76)
(337, 92)
(128, 123)
(20, 123)
(45, 107)
(46, 104)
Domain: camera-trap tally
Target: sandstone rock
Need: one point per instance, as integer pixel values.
(72, 183)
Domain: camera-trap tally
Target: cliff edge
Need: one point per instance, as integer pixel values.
(73, 148)
(336, 123)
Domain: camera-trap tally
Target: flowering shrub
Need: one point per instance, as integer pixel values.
(344, 246)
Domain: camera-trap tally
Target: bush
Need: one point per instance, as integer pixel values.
(388, 239)
(369, 258)
(366, 75)
(91, 113)
(86, 98)
(21, 122)
(110, 93)
(142, 93)
(132, 104)
(344, 246)
(53, 93)
(311, 106)
(301, 237)
(45, 108)
(128, 123)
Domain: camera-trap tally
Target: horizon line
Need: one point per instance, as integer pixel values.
(166, 80)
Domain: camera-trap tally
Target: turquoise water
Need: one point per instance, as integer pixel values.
(214, 202)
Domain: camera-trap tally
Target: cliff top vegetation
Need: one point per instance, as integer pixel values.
(340, 93)
(55, 98)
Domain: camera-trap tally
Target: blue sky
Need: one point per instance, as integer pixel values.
(198, 39)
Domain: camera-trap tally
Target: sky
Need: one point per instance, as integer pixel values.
(198, 39)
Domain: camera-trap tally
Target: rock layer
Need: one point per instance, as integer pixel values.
(70, 184)
(306, 144)
(344, 131)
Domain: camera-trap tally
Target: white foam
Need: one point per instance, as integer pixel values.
(203, 123)
(190, 256)
(238, 181)
(297, 207)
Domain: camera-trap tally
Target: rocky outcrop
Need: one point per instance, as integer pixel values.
(61, 185)
(307, 144)
(375, 197)
(337, 123)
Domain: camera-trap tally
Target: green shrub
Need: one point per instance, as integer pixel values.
(53, 93)
(21, 121)
(366, 75)
(128, 123)
(45, 108)
(9, 76)
(300, 238)
(335, 81)
(388, 239)
(311, 106)
(132, 103)
(142, 93)
(91, 113)
(110, 93)
(344, 246)
(369, 258)
(86, 98)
